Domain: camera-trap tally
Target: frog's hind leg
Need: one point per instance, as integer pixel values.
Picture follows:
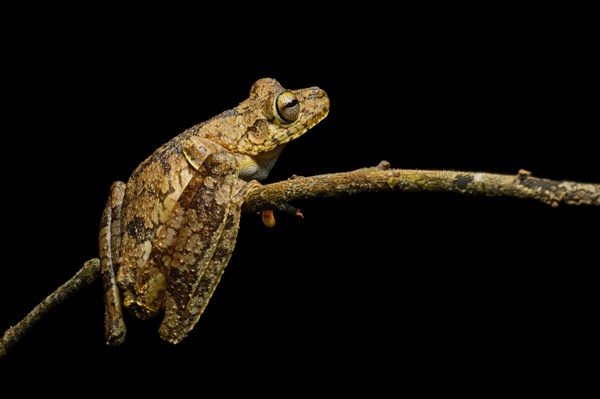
(210, 209)
(110, 240)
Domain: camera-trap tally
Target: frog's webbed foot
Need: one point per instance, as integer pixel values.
(110, 242)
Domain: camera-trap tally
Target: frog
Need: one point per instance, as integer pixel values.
(167, 234)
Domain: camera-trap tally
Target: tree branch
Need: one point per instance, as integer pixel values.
(84, 277)
(381, 178)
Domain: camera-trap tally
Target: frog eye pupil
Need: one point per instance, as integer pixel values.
(287, 106)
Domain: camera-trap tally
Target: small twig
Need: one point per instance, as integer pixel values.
(381, 178)
(84, 277)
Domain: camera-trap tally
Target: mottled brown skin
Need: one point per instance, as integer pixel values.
(167, 235)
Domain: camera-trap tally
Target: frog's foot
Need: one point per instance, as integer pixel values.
(268, 216)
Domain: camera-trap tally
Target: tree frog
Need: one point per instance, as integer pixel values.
(167, 234)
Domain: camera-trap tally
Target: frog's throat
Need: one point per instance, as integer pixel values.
(257, 167)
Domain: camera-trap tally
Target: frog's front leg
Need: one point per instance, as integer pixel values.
(110, 244)
(210, 207)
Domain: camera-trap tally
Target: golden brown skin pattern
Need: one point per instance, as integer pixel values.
(167, 235)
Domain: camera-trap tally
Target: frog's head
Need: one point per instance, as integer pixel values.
(273, 116)
(259, 127)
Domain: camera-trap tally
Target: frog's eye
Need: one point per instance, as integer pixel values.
(287, 106)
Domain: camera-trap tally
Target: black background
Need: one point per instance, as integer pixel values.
(377, 291)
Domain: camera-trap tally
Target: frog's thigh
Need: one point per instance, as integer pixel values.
(110, 244)
(204, 243)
